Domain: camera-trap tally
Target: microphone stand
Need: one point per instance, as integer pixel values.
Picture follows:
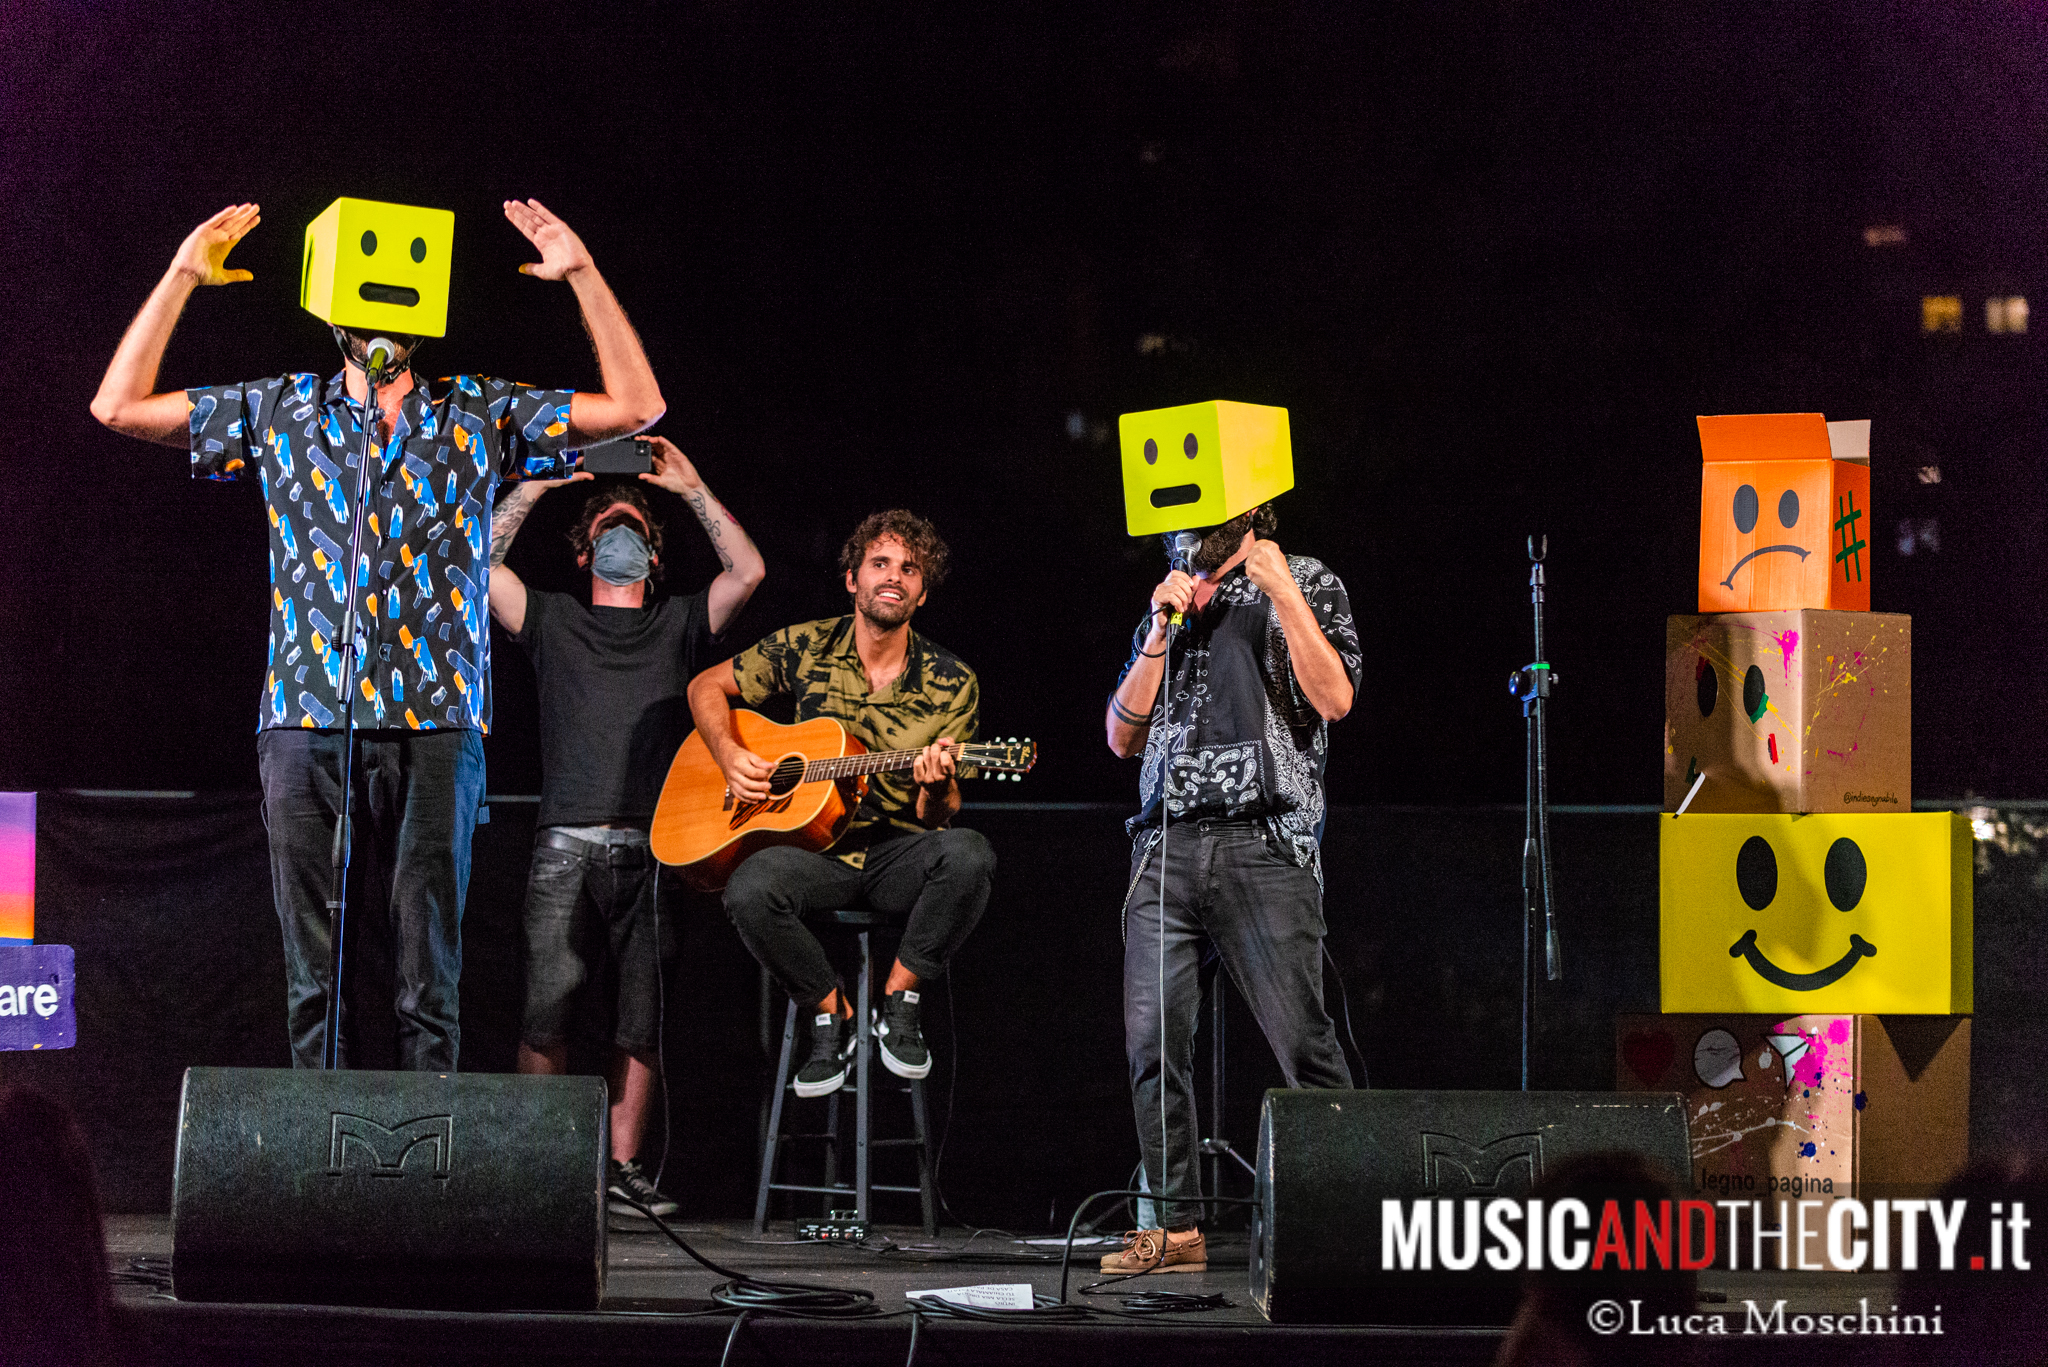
(1531, 685)
(344, 835)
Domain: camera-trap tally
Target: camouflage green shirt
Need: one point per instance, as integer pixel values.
(817, 666)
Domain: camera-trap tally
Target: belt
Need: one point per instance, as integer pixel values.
(598, 852)
(1218, 825)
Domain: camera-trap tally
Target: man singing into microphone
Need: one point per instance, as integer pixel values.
(422, 697)
(1234, 746)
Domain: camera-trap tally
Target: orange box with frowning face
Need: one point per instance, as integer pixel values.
(1784, 513)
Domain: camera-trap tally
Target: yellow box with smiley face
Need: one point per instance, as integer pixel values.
(1202, 463)
(378, 267)
(1839, 912)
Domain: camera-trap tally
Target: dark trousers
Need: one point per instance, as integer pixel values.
(1232, 893)
(416, 800)
(941, 878)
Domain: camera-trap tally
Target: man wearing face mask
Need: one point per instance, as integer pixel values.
(421, 696)
(612, 676)
(1266, 659)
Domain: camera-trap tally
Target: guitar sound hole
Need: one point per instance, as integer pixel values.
(786, 775)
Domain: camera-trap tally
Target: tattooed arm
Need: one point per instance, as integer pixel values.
(508, 591)
(743, 569)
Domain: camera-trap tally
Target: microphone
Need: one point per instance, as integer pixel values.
(1181, 551)
(380, 351)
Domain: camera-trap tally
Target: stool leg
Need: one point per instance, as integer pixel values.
(771, 1147)
(920, 1124)
(863, 1103)
(835, 1140)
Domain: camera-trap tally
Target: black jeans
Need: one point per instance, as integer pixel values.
(416, 800)
(593, 924)
(1229, 891)
(942, 878)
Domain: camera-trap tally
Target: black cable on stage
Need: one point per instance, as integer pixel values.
(1344, 998)
(732, 1336)
(144, 1270)
(742, 1292)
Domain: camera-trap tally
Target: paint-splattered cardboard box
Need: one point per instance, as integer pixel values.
(1809, 1107)
(1800, 711)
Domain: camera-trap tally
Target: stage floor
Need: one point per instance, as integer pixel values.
(657, 1308)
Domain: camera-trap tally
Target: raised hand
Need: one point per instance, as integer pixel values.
(561, 251)
(204, 252)
(1267, 567)
(672, 469)
(541, 486)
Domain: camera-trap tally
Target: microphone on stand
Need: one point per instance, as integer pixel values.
(1181, 548)
(380, 351)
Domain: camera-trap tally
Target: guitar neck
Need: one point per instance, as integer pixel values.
(874, 762)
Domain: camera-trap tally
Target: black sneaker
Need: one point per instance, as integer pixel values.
(824, 1072)
(903, 1049)
(629, 1184)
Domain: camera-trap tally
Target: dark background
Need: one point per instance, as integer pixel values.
(1493, 257)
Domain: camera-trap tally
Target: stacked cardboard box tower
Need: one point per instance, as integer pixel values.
(1814, 936)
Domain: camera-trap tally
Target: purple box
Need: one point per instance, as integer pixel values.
(36, 992)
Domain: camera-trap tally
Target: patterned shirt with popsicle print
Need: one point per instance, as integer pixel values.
(424, 640)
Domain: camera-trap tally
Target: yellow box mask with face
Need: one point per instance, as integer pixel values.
(1202, 463)
(1848, 913)
(379, 267)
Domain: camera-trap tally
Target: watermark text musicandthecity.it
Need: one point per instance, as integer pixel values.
(1844, 1235)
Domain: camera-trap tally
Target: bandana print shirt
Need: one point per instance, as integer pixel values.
(1240, 739)
(423, 642)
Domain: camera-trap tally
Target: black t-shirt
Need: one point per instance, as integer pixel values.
(613, 709)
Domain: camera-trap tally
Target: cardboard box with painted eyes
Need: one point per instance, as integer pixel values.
(1841, 913)
(378, 267)
(1784, 513)
(1202, 463)
(1804, 711)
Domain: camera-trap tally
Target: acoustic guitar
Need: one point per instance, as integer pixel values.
(819, 780)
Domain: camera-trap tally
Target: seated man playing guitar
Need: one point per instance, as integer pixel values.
(892, 690)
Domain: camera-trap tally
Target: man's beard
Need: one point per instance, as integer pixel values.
(1219, 545)
(882, 613)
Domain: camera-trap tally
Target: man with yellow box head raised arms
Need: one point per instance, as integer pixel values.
(378, 275)
(1258, 654)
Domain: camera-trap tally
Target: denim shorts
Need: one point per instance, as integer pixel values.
(593, 926)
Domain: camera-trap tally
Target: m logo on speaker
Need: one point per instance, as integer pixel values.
(1485, 1166)
(382, 1152)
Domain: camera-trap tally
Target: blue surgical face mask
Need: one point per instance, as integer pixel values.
(620, 556)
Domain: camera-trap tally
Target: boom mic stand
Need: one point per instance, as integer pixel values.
(344, 835)
(1531, 685)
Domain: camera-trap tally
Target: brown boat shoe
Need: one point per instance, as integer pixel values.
(1154, 1250)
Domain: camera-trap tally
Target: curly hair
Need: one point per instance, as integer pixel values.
(603, 497)
(920, 536)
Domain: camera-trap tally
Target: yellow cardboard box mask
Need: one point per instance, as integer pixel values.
(1202, 463)
(379, 267)
(1844, 913)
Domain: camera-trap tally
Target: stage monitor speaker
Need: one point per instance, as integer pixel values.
(471, 1191)
(1327, 1159)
